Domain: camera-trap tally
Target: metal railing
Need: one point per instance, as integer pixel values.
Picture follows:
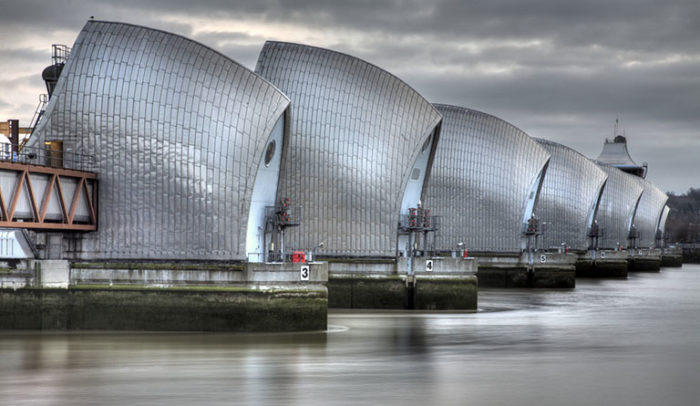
(38, 113)
(534, 227)
(59, 53)
(48, 157)
(284, 216)
(419, 223)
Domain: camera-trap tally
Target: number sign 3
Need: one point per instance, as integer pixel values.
(305, 273)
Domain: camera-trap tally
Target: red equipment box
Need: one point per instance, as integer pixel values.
(298, 256)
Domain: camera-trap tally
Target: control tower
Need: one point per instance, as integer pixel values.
(615, 154)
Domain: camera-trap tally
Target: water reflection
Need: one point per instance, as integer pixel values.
(620, 342)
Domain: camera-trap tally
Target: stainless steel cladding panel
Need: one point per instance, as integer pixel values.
(570, 195)
(482, 174)
(649, 212)
(617, 207)
(355, 133)
(177, 131)
(662, 221)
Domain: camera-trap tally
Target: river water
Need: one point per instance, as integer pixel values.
(608, 342)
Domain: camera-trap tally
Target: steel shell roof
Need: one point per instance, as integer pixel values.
(570, 195)
(483, 172)
(617, 207)
(649, 212)
(355, 133)
(177, 131)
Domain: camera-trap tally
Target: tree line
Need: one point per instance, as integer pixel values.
(683, 223)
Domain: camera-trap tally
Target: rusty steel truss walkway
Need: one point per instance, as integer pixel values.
(47, 198)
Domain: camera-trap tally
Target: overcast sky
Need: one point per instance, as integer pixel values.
(561, 70)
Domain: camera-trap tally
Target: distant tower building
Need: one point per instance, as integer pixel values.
(615, 154)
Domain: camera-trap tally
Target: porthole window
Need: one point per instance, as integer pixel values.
(269, 153)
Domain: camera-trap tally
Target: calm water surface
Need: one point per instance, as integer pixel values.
(613, 342)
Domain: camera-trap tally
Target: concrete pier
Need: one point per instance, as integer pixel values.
(691, 253)
(672, 257)
(602, 264)
(644, 260)
(436, 284)
(159, 296)
(527, 270)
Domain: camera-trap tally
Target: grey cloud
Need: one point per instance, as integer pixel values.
(569, 89)
(25, 80)
(20, 56)
(662, 93)
(568, 81)
(214, 37)
(245, 55)
(496, 18)
(623, 24)
(671, 168)
(241, 47)
(627, 24)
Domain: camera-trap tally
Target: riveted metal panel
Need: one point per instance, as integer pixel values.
(482, 175)
(570, 194)
(617, 207)
(355, 133)
(649, 212)
(177, 130)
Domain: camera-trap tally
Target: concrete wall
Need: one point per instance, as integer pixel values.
(672, 257)
(440, 266)
(644, 260)
(166, 275)
(451, 285)
(53, 294)
(223, 309)
(53, 273)
(528, 270)
(602, 264)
